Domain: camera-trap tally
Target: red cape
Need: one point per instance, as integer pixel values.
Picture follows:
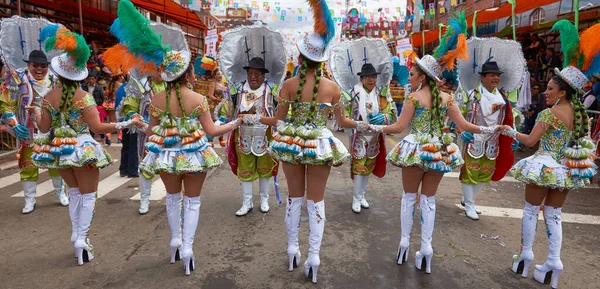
(506, 156)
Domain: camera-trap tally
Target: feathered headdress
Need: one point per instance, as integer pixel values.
(581, 51)
(569, 39)
(324, 24)
(133, 30)
(453, 45)
(204, 65)
(73, 44)
(400, 71)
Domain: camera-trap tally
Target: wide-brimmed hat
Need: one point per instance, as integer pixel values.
(367, 70)
(257, 63)
(574, 77)
(490, 67)
(174, 64)
(64, 66)
(37, 56)
(430, 66)
(312, 46)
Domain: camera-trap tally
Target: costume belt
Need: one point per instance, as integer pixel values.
(366, 144)
(253, 139)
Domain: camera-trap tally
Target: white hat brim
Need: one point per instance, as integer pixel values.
(75, 76)
(578, 89)
(427, 70)
(307, 54)
(170, 77)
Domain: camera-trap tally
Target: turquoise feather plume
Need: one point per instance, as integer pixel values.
(324, 24)
(133, 30)
(456, 26)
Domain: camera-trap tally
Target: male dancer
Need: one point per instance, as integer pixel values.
(368, 104)
(486, 106)
(20, 86)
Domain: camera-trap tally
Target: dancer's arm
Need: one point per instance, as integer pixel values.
(213, 130)
(340, 115)
(408, 111)
(463, 125)
(526, 139)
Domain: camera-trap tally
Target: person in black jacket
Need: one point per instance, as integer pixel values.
(97, 93)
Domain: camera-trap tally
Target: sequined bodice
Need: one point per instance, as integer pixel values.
(420, 123)
(73, 116)
(556, 137)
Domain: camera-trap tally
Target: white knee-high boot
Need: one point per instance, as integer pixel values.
(522, 261)
(87, 209)
(264, 185)
(316, 222)
(29, 188)
(247, 199)
(549, 272)
(357, 193)
(427, 223)
(191, 216)
(174, 203)
(145, 190)
(59, 187)
(363, 201)
(292, 225)
(407, 212)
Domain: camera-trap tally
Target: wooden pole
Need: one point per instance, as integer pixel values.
(512, 19)
(80, 18)
(19, 7)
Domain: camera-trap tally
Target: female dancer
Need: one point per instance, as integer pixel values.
(426, 153)
(65, 119)
(220, 93)
(564, 160)
(304, 144)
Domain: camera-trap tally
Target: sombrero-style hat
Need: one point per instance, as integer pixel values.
(72, 64)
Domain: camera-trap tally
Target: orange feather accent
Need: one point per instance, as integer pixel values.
(119, 57)
(589, 45)
(65, 40)
(461, 52)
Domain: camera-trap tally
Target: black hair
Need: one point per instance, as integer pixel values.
(581, 117)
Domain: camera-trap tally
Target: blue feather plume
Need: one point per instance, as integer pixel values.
(594, 67)
(48, 31)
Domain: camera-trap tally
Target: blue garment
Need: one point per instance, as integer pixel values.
(120, 95)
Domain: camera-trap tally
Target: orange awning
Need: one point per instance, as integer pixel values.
(485, 16)
(173, 11)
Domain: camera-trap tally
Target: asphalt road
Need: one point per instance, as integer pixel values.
(358, 250)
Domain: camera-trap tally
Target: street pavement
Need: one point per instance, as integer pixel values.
(358, 250)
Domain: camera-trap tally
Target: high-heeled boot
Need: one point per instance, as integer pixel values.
(522, 261)
(191, 214)
(174, 218)
(549, 272)
(423, 256)
(87, 208)
(292, 225)
(316, 223)
(74, 200)
(407, 213)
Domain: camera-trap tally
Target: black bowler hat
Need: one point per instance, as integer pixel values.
(367, 70)
(37, 56)
(490, 67)
(257, 63)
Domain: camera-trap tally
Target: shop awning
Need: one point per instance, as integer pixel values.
(173, 11)
(485, 16)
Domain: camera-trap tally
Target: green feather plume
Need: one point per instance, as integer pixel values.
(569, 40)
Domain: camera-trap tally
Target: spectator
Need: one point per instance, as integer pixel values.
(553, 60)
(541, 61)
(536, 45)
(537, 104)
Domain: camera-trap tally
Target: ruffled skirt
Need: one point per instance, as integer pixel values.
(88, 152)
(325, 150)
(408, 153)
(544, 171)
(175, 160)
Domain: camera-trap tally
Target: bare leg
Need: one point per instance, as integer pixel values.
(431, 181)
(317, 181)
(193, 184)
(87, 179)
(411, 179)
(296, 179)
(535, 195)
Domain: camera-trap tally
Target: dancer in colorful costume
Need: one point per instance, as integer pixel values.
(565, 158)
(140, 89)
(427, 153)
(177, 146)
(247, 146)
(370, 102)
(303, 143)
(27, 81)
(67, 115)
(494, 65)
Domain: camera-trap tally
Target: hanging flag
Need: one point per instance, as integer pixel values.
(282, 18)
(278, 8)
(299, 18)
(274, 17)
(265, 4)
(453, 3)
(300, 10)
(442, 10)
(283, 13)
(387, 10)
(236, 5)
(431, 6)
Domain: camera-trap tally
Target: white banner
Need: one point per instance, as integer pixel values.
(211, 43)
